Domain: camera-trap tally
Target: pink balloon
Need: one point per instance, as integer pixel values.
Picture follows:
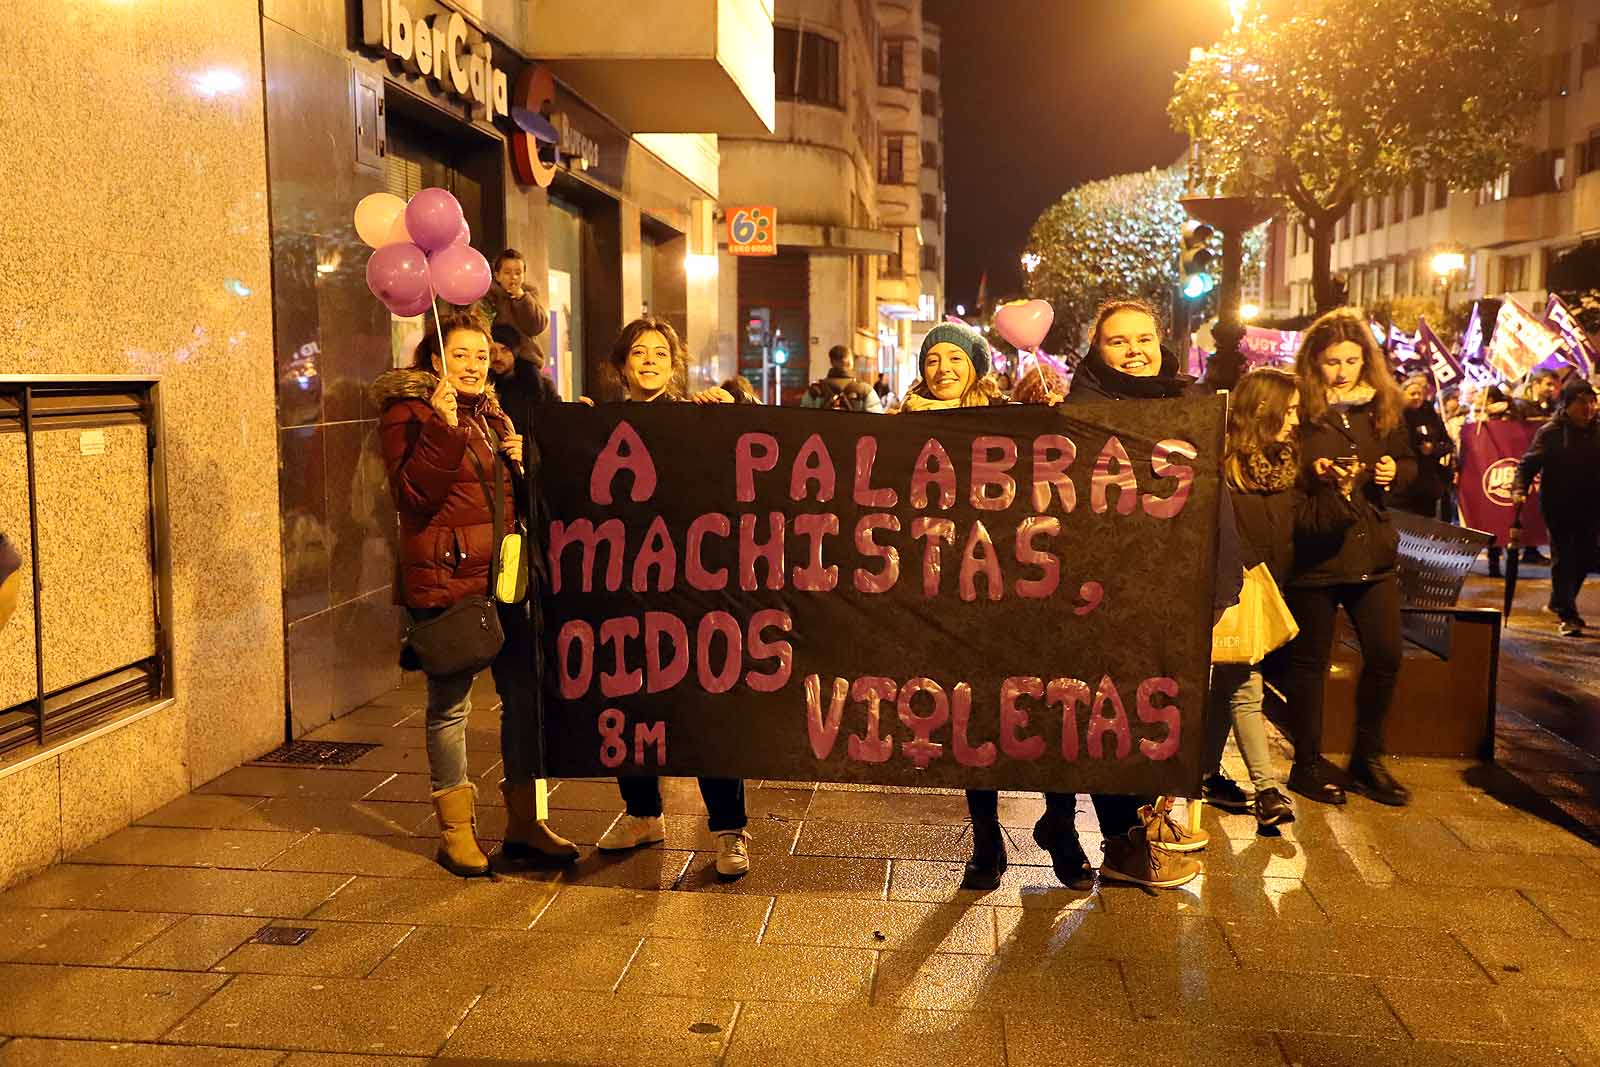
(411, 310)
(1024, 323)
(465, 236)
(460, 274)
(398, 274)
(433, 218)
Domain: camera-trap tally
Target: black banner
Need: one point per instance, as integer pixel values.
(1014, 597)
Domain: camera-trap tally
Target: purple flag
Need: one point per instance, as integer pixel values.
(1471, 359)
(1578, 351)
(1437, 361)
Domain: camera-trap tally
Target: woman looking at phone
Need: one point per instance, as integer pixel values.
(1352, 432)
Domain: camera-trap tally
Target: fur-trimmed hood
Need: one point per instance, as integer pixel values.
(410, 383)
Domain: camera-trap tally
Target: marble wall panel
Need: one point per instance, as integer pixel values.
(30, 834)
(307, 539)
(136, 242)
(94, 551)
(17, 678)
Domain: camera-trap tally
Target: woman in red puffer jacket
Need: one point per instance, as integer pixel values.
(445, 441)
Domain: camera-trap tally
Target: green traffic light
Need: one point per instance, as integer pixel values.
(1196, 286)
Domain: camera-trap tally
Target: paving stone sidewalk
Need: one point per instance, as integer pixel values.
(1463, 929)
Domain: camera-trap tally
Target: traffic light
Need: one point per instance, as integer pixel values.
(1195, 261)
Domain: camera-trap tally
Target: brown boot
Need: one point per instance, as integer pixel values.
(528, 839)
(458, 840)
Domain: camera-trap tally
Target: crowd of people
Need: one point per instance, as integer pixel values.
(1315, 460)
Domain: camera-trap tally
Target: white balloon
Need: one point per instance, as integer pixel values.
(375, 218)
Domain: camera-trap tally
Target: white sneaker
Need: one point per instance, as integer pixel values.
(733, 854)
(631, 831)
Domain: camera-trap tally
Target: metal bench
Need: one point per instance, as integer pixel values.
(1434, 560)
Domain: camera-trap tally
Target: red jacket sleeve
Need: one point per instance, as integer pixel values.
(422, 454)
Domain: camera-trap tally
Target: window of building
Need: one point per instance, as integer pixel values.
(1441, 194)
(1514, 273)
(930, 257)
(1419, 193)
(930, 61)
(1359, 210)
(892, 63)
(1340, 228)
(1501, 187)
(1397, 206)
(930, 154)
(1589, 153)
(805, 67)
(892, 160)
(930, 102)
(1558, 168)
(930, 206)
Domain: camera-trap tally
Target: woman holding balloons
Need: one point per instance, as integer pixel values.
(456, 469)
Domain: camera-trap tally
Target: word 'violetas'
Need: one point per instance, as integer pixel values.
(941, 719)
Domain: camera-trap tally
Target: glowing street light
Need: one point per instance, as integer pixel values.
(1447, 265)
(1249, 312)
(1031, 261)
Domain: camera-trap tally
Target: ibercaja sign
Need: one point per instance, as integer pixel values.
(440, 46)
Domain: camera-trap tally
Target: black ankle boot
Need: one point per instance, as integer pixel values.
(988, 860)
(1316, 781)
(1059, 838)
(1371, 778)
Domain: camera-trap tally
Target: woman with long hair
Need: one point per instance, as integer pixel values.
(1350, 421)
(450, 451)
(651, 365)
(955, 362)
(1271, 503)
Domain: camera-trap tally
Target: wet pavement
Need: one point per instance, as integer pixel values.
(1462, 929)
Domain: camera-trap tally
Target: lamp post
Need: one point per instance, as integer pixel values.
(1447, 265)
(1234, 216)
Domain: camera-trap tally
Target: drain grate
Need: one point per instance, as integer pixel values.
(289, 936)
(318, 753)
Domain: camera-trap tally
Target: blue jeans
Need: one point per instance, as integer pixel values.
(1236, 701)
(516, 679)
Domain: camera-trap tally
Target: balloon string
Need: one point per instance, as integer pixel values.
(438, 329)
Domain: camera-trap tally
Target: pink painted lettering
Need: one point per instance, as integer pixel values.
(1052, 455)
(932, 531)
(769, 552)
(980, 558)
(662, 675)
(871, 747)
(933, 468)
(658, 552)
(1116, 724)
(865, 495)
(1048, 563)
(884, 580)
(961, 719)
(624, 451)
(619, 681)
(1169, 715)
(814, 577)
(583, 533)
(992, 488)
(813, 464)
(718, 624)
(694, 566)
(1161, 463)
(753, 452)
(575, 682)
(1067, 694)
(1120, 479)
(759, 648)
(922, 749)
(1014, 719)
(824, 732)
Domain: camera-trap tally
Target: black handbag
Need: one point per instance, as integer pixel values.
(467, 636)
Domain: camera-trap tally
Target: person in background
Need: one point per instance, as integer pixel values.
(886, 395)
(1566, 453)
(1040, 384)
(512, 301)
(1454, 415)
(741, 390)
(651, 365)
(839, 388)
(518, 382)
(1536, 400)
(1271, 505)
(446, 445)
(1350, 419)
(10, 579)
(1430, 441)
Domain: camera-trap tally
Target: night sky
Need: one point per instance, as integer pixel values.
(1042, 95)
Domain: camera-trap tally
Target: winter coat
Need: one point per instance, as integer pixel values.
(1567, 456)
(1095, 382)
(522, 390)
(1368, 548)
(1425, 427)
(856, 395)
(525, 313)
(446, 519)
(10, 561)
(1270, 519)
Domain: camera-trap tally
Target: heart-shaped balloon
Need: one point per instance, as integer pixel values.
(1024, 322)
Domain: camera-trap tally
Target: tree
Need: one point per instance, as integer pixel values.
(1319, 102)
(1107, 239)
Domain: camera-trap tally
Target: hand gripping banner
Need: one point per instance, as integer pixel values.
(1011, 597)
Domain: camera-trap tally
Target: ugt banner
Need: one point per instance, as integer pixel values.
(1013, 597)
(1490, 452)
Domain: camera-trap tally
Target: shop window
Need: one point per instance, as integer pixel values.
(92, 630)
(805, 67)
(892, 160)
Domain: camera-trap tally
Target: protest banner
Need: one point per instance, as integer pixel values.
(1011, 597)
(1436, 360)
(1520, 342)
(1576, 348)
(1490, 452)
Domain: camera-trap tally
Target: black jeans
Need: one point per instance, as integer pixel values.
(1117, 814)
(1374, 610)
(724, 800)
(1572, 552)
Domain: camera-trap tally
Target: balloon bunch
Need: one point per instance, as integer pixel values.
(421, 251)
(1024, 323)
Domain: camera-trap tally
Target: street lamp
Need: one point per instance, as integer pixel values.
(1250, 312)
(1447, 265)
(1031, 261)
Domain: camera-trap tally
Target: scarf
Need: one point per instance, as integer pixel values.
(918, 402)
(1350, 399)
(1166, 383)
(1273, 469)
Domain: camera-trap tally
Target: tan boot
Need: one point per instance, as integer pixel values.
(529, 840)
(458, 840)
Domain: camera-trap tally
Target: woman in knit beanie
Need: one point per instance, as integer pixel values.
(955, 371)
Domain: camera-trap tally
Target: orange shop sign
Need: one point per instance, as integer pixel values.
(753, 231)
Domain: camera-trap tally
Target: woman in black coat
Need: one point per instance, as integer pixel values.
(1350, 421)
(1431, 444)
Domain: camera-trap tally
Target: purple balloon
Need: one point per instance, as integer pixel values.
(465, 236)
(460, 274)
(411, 310)
(398, 274)
(433, 218)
